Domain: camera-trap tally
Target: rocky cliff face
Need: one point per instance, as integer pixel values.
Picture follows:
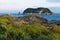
(32, 19)
(37, 10)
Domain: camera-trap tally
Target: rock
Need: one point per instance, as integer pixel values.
(19, 13)
(37, 10)
(32, 19)
(56, 22)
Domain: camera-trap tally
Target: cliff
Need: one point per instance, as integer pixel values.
(32, 19)
(37, 10)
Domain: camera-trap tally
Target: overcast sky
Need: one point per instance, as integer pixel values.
(23, 4)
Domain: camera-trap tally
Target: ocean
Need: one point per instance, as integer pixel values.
(51, 17)
(48, 17)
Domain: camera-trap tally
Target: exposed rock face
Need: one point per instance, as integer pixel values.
(32, 19)
(55, 22)
(37, 10)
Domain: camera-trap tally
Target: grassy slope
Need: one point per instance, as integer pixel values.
(10, 30)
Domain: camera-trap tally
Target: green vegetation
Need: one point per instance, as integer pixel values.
(10, 30)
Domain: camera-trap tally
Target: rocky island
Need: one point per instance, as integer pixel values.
(38, 11)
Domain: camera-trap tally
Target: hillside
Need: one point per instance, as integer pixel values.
(27, 28)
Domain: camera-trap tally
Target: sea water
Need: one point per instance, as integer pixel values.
(48, 17)
(51, 17)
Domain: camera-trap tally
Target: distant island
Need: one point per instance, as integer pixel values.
(38, 11)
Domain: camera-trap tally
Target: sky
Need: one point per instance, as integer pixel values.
(23, 4)
(54, 0)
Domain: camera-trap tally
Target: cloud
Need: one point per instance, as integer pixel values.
(22, 4)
